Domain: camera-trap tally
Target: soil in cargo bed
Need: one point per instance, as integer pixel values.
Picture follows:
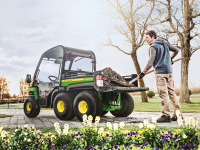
(112, 78)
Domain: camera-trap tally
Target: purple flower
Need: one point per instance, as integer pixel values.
(165, 140)
(183, 147)
(78, 133)
(107, 135)
(104, 141)
(144, 142)
(190, 146)
(115, 146)
(72, 136)
(130, 143)
(49, 145)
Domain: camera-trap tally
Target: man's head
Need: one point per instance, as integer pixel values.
(150, 36)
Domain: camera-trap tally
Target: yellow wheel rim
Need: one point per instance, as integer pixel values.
(83, 107)
(61, 106)
(28, 106)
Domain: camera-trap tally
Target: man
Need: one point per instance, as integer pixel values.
(160, 59)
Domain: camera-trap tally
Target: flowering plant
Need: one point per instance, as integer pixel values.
(148, 137)
(188, 133)
(90, 135)
(3, 138)
(23, 137)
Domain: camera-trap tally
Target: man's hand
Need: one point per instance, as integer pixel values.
(172, 61)
(141, 75)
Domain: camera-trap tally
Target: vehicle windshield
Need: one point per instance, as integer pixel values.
(50, 66)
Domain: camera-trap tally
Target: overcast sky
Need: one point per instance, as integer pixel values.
(30, 27)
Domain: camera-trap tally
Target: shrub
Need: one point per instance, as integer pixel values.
(177, 91)
(150, 94)
(190, 93)
(195, 90)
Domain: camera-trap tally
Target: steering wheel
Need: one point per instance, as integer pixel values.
(56, 78)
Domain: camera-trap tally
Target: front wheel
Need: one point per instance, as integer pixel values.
(30, 109)
(127, 104)
(63, 106)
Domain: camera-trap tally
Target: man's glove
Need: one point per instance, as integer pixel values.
(141, 75)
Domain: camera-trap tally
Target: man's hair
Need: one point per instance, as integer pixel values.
(151, 33)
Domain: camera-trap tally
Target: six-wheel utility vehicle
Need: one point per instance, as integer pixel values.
(67, 81)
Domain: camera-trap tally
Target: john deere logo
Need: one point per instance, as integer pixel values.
(88, 79)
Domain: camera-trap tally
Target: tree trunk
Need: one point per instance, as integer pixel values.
(141, 81)
(184, 91)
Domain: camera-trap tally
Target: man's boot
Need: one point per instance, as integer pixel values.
(164, 118)
(174, 118)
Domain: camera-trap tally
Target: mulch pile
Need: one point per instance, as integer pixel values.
(112, 78)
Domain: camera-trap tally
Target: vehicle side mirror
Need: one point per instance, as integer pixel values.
(28, 78)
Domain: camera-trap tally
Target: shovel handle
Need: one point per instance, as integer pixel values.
(151, 71)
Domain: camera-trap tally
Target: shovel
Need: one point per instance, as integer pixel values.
(151, 72)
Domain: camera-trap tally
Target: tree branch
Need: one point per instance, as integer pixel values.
(193, 50)
(197, 15)
(111, 44)
(196, 34)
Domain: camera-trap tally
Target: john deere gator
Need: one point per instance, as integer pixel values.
(66, 80)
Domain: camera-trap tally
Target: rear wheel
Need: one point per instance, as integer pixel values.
(63, 106)
(30, 109)
(127, 103)
(89, 103)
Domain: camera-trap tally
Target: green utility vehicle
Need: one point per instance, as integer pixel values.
(67, 81)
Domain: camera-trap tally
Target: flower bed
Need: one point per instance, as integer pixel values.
(113, 136)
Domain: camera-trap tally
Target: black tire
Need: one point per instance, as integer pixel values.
(103, 113)
(127, 106)
(93, 103)
(30, 109)
(63, 106)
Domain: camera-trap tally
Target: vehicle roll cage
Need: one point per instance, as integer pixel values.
(67, 53)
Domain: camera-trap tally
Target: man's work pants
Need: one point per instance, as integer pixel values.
(165, 87)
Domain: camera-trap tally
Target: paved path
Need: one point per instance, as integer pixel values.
(47, 118)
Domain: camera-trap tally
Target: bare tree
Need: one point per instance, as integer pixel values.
(136, 18)
(3, 86)
(182, 25)
(15, 96)
(24, 87)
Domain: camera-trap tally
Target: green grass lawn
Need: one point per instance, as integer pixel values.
(4, 115)
(18, 105)
(154, 105)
